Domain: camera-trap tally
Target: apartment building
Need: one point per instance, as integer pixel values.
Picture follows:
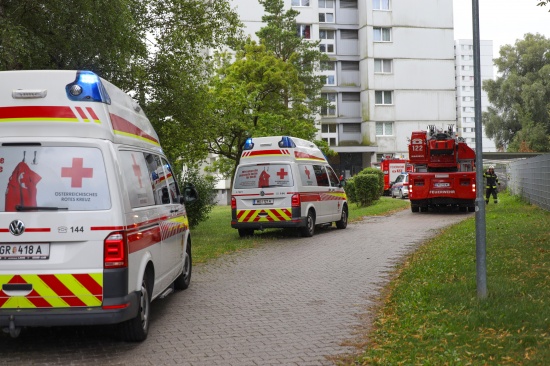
(464, 57)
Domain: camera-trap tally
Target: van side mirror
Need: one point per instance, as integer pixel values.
(190, 194)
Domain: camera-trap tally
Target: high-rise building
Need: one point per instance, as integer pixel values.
(465, 101)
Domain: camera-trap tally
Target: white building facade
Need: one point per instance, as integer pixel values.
(465, 101)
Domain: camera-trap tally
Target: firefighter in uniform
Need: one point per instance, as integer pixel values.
(491, 185)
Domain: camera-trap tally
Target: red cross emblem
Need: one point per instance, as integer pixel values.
(307, 172)
(77, 172)
(281, 173)
(137, 171)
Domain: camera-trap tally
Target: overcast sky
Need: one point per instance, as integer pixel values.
(502, 21)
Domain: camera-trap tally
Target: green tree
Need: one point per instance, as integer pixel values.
(271, 88)
(519, 118)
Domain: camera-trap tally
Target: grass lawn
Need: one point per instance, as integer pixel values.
(430, 313)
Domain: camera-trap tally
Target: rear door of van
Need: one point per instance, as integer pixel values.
(56, 209)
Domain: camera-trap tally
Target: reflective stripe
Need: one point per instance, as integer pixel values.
(54, 290)
(275, 214)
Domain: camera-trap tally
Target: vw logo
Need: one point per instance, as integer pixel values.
(262, 193)
(17, 227)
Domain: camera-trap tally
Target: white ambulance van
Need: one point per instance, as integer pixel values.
(93, 225)
(282, 182)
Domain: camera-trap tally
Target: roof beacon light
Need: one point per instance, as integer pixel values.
(87, 87)
(248, 145)
(286, 142)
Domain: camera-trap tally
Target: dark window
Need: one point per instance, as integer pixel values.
(351, 97)
(350, 65)
(349, 34)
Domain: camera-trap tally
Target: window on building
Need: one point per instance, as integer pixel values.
(383, 97)
(383, 66)
(330, 79)
(330, 109)
(466, 88)
(468, 119)
(326, 34)
(351, 97)
(384, 128)
(351, 127)
(466, 99)
(300, 3)
(348, 4)
(331, 141)
(381, 4)
(468, 78)
(328, 65)
(304, 31)
(466, 68)
(326, 4)
(468, 109)
(350, 65)
(326, 17)
(382, 34)
(328, 128)
(466, 57)
(349, 34)
(326, 48)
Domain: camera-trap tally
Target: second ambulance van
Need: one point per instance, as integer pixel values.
(93, 225)
(285, 182)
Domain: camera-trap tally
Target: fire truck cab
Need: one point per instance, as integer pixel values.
(283, 182)
(93, 225)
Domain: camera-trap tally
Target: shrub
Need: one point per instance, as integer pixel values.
(380, 175)
(199, 210)
(366, 188)
(349, 187)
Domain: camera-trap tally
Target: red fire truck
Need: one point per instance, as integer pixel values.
(392, 167)
(444, 171)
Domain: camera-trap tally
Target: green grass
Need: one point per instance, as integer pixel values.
(431, 315)
(215, 237)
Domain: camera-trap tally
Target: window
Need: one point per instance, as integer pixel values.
(467, 78)
(326, 17)
(351, 127)
(330, 79)
(466, 88)
(383, 66)
(326, 34)
(466, 99)
(349, 34)
(382, 34)
(304, 31)
(466, 68)
(326, 48)
(350, 65)
(468, 119)
(383, 97)
(468, 109)
(330, 109)
(384, 128)
(348, 4)
(351, 97)
(468, 129)
(328, 65)
(328, 128)
(326, 4)
(381, 4)
(466, 57)
(300, 2)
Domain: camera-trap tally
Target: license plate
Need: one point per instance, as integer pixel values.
(439, 185)
(263, 201)
(25, 251)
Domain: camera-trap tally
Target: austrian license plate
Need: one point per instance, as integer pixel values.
(441, 185)
(25, 251)
(263, 201)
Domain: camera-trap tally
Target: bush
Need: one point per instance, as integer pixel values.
(199, 210)
(366, 188)
(350, 190)
(380, 175)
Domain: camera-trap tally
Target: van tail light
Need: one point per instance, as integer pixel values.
(296, 201)
(233, 203)
(115, 249)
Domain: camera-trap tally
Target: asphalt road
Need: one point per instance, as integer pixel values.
(292, 301)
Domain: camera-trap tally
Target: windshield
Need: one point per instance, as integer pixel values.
(263, 176)
(38, 178)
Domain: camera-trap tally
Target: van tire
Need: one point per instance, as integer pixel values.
(183, 281)
(308, 230)
(343, 223)
(243, 233)
(136, 329)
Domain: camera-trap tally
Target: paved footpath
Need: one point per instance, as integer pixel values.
(292, 301)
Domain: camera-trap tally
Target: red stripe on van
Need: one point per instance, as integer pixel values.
(4, 231)
(143, 239)
(90, 284)
(123, 125)
(61, 290)
(36, 112)
(310, 197)
(106, 228)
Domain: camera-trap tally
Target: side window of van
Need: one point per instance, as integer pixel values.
(172, 184)
(157, 177)
(307, 175)
(137, 178)
(321, 176)
(334, 181)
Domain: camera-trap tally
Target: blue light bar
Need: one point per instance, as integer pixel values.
(87, 87)
(286, 142)
(248, 145)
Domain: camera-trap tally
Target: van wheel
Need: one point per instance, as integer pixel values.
(184, 279)
(343, 223)
(308, 230)
(243, 233)
(136, 329)
(400, 194)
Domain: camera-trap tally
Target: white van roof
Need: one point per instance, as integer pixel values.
(63, 103)
(280, 148)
